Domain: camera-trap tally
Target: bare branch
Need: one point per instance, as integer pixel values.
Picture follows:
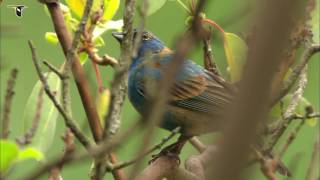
(288, 114)
(306, 56)
(119, 83)
(69, 47)
(5, 119)
(27, 137)
(312, 169)
(105, 147)
(209, 63)
(53, 69)
(251, 106)
(68, 120)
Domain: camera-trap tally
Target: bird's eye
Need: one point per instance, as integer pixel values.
(146, 36)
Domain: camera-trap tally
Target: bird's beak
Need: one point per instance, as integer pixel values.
(118, 36)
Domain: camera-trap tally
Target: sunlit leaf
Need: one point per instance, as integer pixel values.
(102, 103)
(44, 135)
(30, 153)
(110, 9)
(155, 5)
(98, 42)
(235, 49)
(83, 57)
(51, 37)
(8, 154)
(109, 25)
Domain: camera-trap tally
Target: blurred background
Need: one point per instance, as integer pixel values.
(166, 23)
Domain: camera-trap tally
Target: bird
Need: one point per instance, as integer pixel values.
(196, 98)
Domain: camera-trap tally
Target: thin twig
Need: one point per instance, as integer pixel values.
(313, 162)
(53, 69)
(209, 63)
(68, 120)
(306, 56)
(27, 137)
(69, 147)
(99, 150)
(290, 139)
(283, 124)
(5, 119)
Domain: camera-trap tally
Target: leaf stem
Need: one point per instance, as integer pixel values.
(213, 24)
(183, 6)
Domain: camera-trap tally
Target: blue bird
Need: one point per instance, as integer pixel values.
(196, 98)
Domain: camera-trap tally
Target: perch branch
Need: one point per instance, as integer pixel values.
(140, 156)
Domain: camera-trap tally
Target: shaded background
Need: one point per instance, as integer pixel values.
(166, 23)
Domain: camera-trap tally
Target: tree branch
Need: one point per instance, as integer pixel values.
(27, 137)
(68, 120)
(5, 119)
(69, 47)
(306, 56)
(250, 106)
(141, 155)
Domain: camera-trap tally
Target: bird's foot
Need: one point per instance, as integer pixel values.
(171, 151)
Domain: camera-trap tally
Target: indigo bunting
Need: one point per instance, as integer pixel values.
(196, 99)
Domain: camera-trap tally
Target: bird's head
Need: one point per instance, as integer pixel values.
(149, 43)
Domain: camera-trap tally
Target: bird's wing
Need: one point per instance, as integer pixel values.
(194, 88)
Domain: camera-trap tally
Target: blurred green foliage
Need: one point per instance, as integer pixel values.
(166, 23)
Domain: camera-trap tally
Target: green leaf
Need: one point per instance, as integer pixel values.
(83, 58)
(235, 50)
(8, 152)
(30, 153)
(315, 22)
(44, 135)
(300, 109)
(51, 37)
(104, 27)
(155, 5)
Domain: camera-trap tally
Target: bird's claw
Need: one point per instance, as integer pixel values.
(165, 152)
